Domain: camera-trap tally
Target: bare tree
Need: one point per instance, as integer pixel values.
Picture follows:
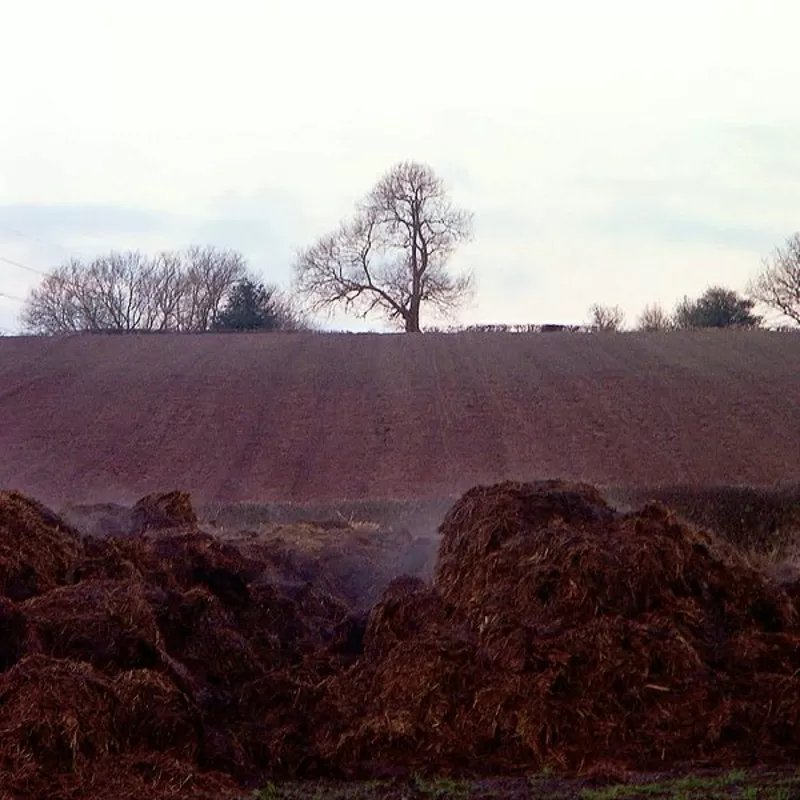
(777, 286)
(606, 318)
(101, 295)
(175, 291)
(654, 318)
(165, 291)
(208, 275)
(392, 256)
(115, 291)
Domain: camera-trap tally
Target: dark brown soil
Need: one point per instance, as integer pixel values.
(559, 638)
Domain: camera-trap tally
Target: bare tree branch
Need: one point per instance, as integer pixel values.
(129, 291)
(392, 256)
(607, 318)
(655, 318)
(777, 286)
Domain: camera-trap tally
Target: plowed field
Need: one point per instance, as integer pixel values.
(299, 417)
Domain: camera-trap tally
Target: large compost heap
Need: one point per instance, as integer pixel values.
(555, 632)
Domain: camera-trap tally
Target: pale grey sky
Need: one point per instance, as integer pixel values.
(622, 152)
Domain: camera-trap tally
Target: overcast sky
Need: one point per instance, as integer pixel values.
(619, 151)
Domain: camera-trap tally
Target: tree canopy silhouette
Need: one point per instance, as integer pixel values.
(253, 306)
(717, 307)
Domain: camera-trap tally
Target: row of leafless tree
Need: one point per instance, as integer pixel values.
(776, 287)
(128, 291)
(717, 307)
(390, 258)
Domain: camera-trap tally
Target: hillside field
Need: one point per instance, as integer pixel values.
(357, 599)
(309, 417)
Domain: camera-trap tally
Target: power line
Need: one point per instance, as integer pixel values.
(13, 263)
(21, 266)
(15, 232)
(12, 297)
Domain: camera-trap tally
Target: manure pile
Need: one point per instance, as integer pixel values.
(556, 632)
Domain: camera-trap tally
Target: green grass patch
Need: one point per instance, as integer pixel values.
(441, 787)
(734, 784)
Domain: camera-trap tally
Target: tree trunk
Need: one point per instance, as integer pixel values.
(412, 318)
